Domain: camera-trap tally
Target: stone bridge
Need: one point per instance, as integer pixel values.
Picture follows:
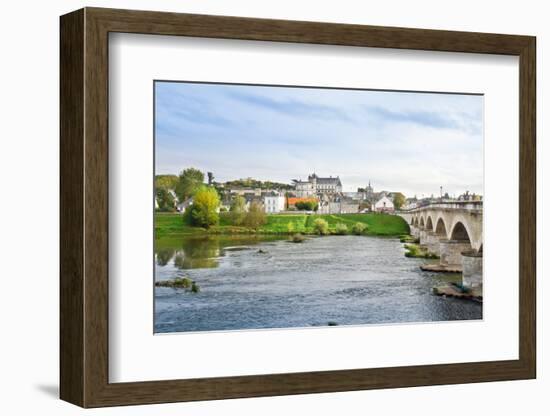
(454, 232)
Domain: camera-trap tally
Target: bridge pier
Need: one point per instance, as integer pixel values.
(422, 233)
(414, 231)
(472, 268)
(451, 252)
(433, 243)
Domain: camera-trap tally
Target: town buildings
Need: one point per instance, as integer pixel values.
(326, 192)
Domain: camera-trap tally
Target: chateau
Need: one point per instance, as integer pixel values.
(316, 185)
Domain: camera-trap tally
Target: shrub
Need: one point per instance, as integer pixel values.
(320, 226)
(255, 217)
(298, 238)
(341, 229)
(359, 228)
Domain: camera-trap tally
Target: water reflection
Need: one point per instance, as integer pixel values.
(164, 255)
(200, 252)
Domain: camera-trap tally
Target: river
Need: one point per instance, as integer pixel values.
(269, 282)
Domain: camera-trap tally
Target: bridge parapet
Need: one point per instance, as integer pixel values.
(466, 205)
(446, 219)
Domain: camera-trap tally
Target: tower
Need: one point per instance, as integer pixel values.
(369, 192)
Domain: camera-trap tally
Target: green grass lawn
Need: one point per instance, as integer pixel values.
(280, 224)
(168, 224)
(378, 224)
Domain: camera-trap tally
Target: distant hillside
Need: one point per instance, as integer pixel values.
(254, 183)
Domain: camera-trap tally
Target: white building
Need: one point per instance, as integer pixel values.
(274, 203)
(182, 206)
(384, 204)
(316, 185)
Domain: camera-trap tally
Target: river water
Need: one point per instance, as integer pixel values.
(252, 283)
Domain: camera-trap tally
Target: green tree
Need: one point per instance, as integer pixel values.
(189, 181)
(255, 217)
(398, 200)
(320, 226)
(237, 210)
(205, 205)
(166, 181)
(307, 205)
(165, 200)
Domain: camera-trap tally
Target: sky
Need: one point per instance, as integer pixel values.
(406, 142)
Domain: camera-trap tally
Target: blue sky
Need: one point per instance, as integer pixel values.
(400, 141)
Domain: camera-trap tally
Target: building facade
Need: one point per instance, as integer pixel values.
(274, 203)
(316, 185)
(384, 204)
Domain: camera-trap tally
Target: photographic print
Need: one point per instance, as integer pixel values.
(301, 207)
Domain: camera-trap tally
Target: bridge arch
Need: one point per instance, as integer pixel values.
(440, 227)
(460, 233)
(429, 224)
(421, 222)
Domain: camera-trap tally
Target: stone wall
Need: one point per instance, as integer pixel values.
(451, 251)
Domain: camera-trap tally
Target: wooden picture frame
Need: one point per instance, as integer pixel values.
(84, 207)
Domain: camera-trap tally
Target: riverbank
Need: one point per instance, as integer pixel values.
(168, 225)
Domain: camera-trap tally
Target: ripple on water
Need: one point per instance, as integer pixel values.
(341, 280)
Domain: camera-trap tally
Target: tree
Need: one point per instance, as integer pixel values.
(166, 181)
(237, 211)
(189, 181)
(205, 205)
(165, 200)
(307, 205)
(255, 217)
(398, 200)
